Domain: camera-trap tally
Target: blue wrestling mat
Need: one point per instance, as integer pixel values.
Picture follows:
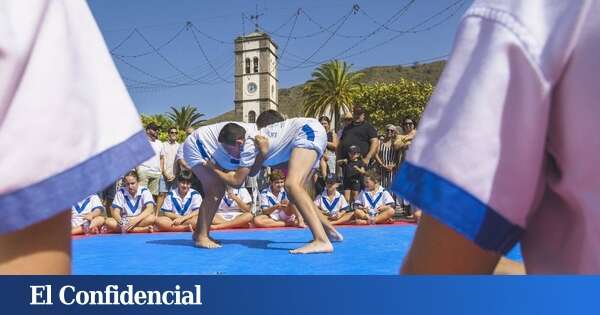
(365, 251)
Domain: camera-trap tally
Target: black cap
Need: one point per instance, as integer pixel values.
(332, 179)
(152, 126)
(185, 175)
(353, 149)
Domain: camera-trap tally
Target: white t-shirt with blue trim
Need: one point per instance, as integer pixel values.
(134, 205)
(182, 206)
(336, 204)
(373, 200)
(269, 199)
(228, 205)
(83, 207)
(229, 208)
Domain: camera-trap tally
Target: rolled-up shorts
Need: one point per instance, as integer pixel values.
(311, 136)
(58, 88)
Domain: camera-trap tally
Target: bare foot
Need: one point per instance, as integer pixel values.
(301, 225)
(203, 242)
(195, 238)
(335, 236)
(190, 228)
(360, 222)
(150, 229)
(313, 247)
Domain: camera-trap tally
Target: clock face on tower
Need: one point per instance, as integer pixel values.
(251, 87)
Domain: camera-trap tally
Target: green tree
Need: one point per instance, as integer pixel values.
(331, 90)
(185, 117)
(390, 103)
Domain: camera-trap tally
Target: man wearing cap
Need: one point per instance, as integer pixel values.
(149, 172)
(361, 134)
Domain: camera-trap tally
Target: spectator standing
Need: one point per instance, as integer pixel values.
(168, 155)
(328, 165)
(402, 144)
(387, 158)
(353, 169)
(149, 172)
(359, 133)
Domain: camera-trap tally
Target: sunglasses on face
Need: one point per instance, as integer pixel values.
(173, 132)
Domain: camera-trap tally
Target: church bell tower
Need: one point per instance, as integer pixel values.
(256, 81)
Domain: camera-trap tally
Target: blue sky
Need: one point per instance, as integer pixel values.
(167, 62)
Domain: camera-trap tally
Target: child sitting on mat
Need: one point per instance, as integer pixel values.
(374, 203)
(86, 216)
(332, 204)
(180, 208)
(234, 210)
(136, 203)
(275, 205)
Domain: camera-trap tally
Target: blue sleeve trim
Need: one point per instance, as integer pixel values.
(456, 208)
(152, 202)
(99, 207)
(57, 193)
(166, 210)
(115, 206)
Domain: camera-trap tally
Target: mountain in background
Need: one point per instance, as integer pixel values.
(291, 99)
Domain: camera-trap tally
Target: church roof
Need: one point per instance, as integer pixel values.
(253, 36)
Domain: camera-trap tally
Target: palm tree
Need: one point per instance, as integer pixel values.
(330, 91)
(185, 117)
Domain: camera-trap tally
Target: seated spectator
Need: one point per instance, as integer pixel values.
(135, 202)
(234, 210)
(86, 216)
(180, 209)
(374, 198)
(353, 169)
(275, 205)
(332, 204)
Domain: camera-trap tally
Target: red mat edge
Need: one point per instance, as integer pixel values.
(396, 223)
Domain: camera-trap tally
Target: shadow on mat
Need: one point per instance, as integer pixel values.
(258, 244)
